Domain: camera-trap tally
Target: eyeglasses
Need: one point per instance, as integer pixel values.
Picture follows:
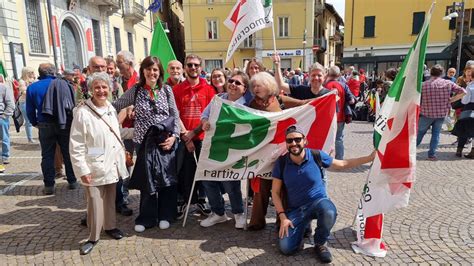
(297, 140)
(234, 81)
(190, 65)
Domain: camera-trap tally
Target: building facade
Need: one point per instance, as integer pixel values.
(297, 40)
(379, 33)
(80, 29)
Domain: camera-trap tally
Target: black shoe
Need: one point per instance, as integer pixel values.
(87, 247)
(124, 210)
(84, 221)
(181, 211)
(49, 190)
(114, 233)
(73, 186)
(322, 251)
(203, 209)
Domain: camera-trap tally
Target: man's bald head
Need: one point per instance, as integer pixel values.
(97, 64)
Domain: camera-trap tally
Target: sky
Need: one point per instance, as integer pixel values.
(339, 5)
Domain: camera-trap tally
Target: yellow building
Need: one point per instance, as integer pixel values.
(294, 24)
(379, 33)
(81, 29)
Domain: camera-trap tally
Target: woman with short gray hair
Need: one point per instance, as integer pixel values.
(98, 158)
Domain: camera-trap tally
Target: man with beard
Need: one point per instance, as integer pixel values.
(301, 173)
(191, 96)
(175, 70)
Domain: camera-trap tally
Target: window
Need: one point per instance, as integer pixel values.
(118, 45)
(212, 29)
(210, 1)
(97, 39)
(249, 42)
(369, 26)
(283, 26)
(145, 46)
(472, 18)
(418, 19)
(209, 65)
(130, 41)
(35, 27)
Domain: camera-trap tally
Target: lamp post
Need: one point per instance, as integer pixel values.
(454, 15)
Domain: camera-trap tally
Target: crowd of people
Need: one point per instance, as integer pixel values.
(94, 120)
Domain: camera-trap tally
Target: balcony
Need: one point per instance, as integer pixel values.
(133, 12)
(320, 44)
(111, 6)
(337, 37)
(318, 7)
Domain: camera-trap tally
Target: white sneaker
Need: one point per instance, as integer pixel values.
(239, 220)
(164, 224)
(214, 219)
(139, 228)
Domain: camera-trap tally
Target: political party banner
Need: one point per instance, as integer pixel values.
(245, 18)
(393, 171)
(243, 143)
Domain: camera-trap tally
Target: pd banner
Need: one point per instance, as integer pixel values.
(243, 143)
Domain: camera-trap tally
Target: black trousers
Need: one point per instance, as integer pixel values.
(157, 207)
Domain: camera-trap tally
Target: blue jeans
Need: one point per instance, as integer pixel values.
(4, 127)
(423, 125)
(214, 195)
(28, 126)
(340, 141)
(323, 210)
(49, 135)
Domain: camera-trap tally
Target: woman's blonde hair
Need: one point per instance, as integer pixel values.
(267, 80)
(24, 73)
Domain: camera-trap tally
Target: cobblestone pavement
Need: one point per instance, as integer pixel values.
(436, 228)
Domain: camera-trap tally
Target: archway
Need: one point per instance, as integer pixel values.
(71, 46)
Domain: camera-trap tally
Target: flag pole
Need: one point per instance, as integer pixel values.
(190, 194)
(246, 210)
(274, 39)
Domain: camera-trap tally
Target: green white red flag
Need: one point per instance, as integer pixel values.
(243, 143)
(393, 171)
(245, 18)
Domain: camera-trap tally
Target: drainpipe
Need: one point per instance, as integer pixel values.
(53, 37)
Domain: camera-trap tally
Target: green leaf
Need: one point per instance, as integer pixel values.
(252, 163)
(240, 163)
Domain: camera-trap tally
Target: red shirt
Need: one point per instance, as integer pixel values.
(128, 123)
(334, 85)
(191, 102)
(354, 86)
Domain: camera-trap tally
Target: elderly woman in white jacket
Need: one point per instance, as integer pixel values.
(98, 157)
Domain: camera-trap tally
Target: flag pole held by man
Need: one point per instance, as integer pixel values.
(393, 171)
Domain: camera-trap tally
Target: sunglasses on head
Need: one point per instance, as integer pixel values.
(297, 140)
(190, 65)
(234, 81)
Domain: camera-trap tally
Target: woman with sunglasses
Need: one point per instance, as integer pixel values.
(237, 85)
(219, 80)
(266, 98)
(154, 108)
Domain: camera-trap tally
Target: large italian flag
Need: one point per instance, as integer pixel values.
(243, 143)
(393, 171)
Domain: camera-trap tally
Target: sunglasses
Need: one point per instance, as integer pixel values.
(234, 81)
(297, 140)
(190, 65)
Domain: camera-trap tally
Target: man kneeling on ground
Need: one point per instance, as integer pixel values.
(301, 173)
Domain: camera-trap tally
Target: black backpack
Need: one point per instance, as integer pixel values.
(316, 157)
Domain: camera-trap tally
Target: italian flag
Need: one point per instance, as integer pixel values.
(393, 171)
(243, 143)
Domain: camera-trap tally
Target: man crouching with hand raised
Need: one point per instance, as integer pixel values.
(301, 173)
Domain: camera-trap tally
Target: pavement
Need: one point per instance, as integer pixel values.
(436, 228)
